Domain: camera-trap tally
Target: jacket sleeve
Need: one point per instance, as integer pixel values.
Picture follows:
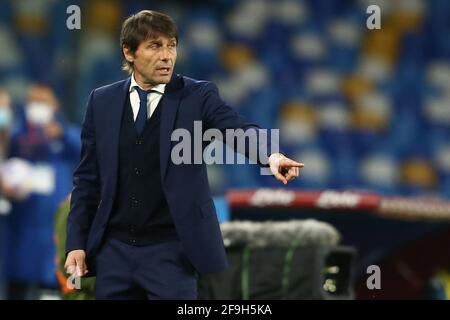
(86, 185)
(217, 114)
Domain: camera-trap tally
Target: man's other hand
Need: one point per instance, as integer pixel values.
(76, 262)
(283, 168)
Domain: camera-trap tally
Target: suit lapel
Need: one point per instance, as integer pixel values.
(116, 108)
(169, 104)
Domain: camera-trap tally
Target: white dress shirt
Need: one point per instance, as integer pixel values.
(152, 98)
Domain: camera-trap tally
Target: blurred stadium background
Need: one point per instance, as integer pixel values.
(365, 110)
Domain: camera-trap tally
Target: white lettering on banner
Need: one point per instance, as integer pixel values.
(332, 199)
(267, 197)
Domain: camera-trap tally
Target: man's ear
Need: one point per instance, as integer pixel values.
(128, 54)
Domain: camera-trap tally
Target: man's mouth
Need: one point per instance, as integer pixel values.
(163, 69)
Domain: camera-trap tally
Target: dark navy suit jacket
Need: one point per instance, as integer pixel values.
(185, 186)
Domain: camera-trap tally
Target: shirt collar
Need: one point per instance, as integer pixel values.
(160, 88)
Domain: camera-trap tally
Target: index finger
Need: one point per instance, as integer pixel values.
(291, 163)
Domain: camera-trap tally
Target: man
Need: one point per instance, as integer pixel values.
(144, 225)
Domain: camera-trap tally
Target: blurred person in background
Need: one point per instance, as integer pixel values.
(145, 226)
(46, 148)
(6, 120)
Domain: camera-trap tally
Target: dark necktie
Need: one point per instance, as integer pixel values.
(142, 114)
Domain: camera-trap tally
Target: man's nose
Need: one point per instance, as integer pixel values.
(165, 54)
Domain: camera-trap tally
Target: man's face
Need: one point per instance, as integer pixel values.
(154, 60)
(42, 95)
(41, 105)
(6, 116)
